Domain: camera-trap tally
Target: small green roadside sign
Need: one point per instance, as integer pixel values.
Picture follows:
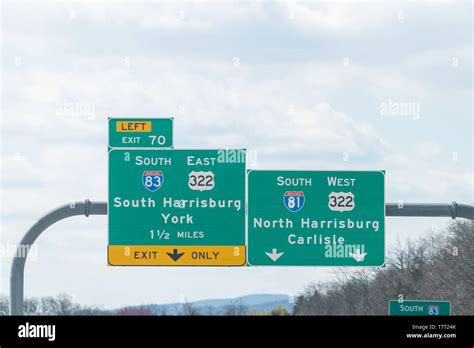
(421, 308)
(316, 218)
(141, 132)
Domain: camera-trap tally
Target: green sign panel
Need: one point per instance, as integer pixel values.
(177, 207)
(316, 218)
(141, 132)
(431, 308)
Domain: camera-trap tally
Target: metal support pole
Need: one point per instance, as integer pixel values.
(87, 208)
(453, 210)
(18, 266)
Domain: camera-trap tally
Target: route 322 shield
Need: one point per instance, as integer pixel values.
(152, 180)
(293, 200)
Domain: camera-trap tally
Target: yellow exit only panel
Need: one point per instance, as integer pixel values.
(147, 255)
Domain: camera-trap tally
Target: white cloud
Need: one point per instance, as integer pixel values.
(338, 17)
(429, 173)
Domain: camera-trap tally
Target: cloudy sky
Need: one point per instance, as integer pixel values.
(305, 85)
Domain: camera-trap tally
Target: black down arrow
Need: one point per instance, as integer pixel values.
(175, 255)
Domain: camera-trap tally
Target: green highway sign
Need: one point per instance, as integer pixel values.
(141, 132)
(176, 207)
(412, 308)
(316, 218)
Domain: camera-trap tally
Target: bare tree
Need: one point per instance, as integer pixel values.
(188, 308)
(280, 310)
(236, 307)
(162, 310)
(59, 305)
(4, 305)
(138, 310)
(32, 306)
(210, 310)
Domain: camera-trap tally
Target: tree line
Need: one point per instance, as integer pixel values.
(63, 304)
(437, 267)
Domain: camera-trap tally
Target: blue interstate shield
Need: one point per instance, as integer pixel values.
(152, 180)
(293, 200)
(433, 310)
